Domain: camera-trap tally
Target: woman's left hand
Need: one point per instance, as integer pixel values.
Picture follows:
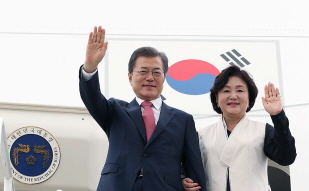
(272, 100)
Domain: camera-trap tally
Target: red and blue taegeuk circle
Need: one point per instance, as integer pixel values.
(191, 76)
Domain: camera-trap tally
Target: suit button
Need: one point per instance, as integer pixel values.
(145, 155)
(136, 171)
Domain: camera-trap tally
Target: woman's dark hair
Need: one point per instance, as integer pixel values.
(223, 78)
(147, 52)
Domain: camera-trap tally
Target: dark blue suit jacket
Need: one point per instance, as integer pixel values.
(173, 145)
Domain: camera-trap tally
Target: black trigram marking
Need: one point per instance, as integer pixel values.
(233, 57)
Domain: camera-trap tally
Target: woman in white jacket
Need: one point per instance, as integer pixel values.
(235, 149)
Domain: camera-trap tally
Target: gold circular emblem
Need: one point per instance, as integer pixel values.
(34, 154)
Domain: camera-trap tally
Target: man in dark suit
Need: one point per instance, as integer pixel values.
(138, 160)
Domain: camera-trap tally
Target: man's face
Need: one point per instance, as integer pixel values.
(147, 78)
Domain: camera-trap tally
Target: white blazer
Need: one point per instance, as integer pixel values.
(241, 154)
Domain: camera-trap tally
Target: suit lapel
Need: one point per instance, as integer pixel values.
(166, 115)
(134, 110)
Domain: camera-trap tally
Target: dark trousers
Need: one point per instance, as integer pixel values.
(138, 185)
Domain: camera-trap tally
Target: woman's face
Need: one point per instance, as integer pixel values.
(233, 98)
